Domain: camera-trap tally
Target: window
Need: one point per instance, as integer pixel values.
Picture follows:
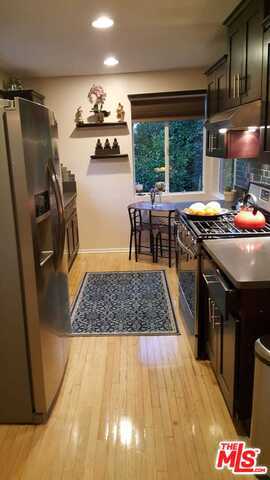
(170, 152)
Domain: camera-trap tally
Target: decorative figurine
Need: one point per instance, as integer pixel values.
(115, 147)
(107, 148)
(79, 116)
(120, 113)
(97, 97)
(99, 148)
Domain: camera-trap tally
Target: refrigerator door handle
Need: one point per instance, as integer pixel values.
(63, 222)
(60, 212)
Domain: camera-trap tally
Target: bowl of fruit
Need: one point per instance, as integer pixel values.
(199, 210)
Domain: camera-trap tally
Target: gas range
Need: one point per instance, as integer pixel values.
(221, 227)
(190, 234)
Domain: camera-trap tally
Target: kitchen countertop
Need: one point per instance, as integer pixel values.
(245, 261)
(68, 197)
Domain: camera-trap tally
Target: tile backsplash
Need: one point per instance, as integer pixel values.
(261, 174)
(251, 170)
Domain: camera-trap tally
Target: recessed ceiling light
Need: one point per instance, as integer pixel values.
(102, 22)
(111, 61)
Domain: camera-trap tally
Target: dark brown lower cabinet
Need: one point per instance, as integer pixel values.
(231, 322)
(221, 337)
(72, 232)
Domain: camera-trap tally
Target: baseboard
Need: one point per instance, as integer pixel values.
(103, 250)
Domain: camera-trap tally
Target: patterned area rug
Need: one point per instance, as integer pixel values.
(124, 303)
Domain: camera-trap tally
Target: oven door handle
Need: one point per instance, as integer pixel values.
(184, 247)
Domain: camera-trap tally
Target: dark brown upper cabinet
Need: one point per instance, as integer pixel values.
(232, 143)
(265, 130)
(245, 50)
(235, 49)
(217, 87)
(216, 143)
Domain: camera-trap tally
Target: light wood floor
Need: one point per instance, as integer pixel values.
(130, 408)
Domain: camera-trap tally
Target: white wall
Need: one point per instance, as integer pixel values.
(105, 188)
(3, 78)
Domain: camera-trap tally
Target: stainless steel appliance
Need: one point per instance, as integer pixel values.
(187, 265)
(189, 237)
(260, 426)
(35, 321)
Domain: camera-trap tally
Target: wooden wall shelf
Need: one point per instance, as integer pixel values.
(102, 125)
(103, 157)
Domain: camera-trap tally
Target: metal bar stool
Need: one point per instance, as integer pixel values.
(137, 227)
(166, 238)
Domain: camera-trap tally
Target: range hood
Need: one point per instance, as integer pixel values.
(239, 118)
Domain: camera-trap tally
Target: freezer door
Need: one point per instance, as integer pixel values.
(15, 385)
(40, 224)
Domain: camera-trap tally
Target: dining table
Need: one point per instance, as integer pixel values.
(164, 207)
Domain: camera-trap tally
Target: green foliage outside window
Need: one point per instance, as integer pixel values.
(149, 153)
(185, 154)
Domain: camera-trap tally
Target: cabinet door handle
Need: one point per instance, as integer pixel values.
(234, 86)
(209, 310)
(213, 314)
(213, 319)
(238, 83)
(214, 141)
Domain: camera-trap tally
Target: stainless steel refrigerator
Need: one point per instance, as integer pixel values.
(34, 303)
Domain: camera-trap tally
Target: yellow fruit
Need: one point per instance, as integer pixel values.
(210, 211)
(196, 208)
(214, 206)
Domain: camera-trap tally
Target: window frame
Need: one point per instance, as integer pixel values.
(167, 157)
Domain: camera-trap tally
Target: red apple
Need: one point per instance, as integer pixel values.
(246, 219)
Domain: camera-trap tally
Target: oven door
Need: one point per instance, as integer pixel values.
(187, 264)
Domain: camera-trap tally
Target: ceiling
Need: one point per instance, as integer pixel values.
(54, 38)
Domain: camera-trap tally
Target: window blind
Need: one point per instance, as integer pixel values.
(169, 105)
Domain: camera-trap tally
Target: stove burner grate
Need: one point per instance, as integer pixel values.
(224, 226)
